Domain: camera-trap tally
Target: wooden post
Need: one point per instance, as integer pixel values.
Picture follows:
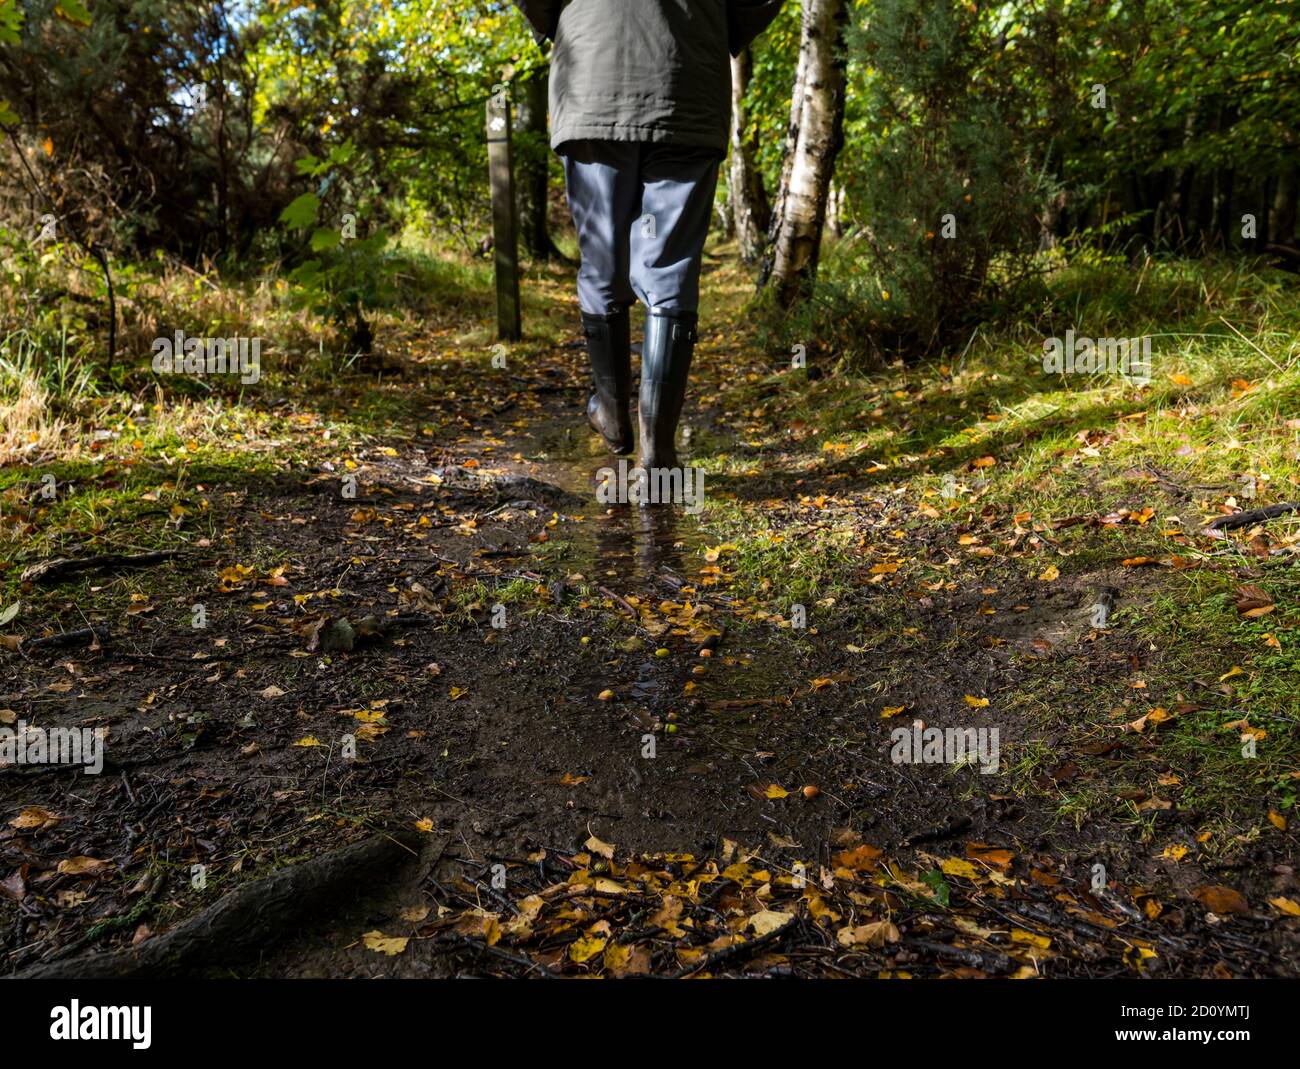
(505, 240)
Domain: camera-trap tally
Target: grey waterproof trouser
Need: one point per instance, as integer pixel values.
(641, 211)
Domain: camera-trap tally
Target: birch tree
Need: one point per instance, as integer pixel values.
(815, 136)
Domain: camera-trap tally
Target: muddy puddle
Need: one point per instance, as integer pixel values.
(730, 693)
(758, 730)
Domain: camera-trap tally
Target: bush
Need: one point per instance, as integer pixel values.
(949, 187)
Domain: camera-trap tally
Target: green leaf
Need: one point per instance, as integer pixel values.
(325, 238)
(371, 245)
(73, 11)
(302, 212)
(344, 152)
(934, 879)
(10, 613)
(11, 23)
(11, 15)
(7, 116)
(306, 274)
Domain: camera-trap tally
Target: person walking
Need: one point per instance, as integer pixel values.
(640, 106)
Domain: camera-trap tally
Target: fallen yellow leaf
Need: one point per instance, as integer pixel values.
(605, 850)
(767, 921)
(34, 818)
(385, 944)
(955, 866)
(82, 866)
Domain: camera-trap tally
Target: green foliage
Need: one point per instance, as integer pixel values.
(11, 22)
(767, 100)
(950, 181)
(49, 362)
(346, 274)
(11, 25)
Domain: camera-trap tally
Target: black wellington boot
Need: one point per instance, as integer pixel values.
(665, 363)
(609, 347)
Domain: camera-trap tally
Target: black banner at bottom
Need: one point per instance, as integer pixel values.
(337, 1017)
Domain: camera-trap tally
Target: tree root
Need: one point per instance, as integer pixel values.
(242, 925)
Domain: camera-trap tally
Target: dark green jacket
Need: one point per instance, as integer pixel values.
(645, 70)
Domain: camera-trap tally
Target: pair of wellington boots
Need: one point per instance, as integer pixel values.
(665, 362)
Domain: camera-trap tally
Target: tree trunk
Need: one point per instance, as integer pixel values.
(835, 201)
(814, 140)
(751, 214)
(1282, 226)
(1264, 215)
(1175, 231)
(1225, 234)
(726, 219)
(533, 168)
(1049, 220)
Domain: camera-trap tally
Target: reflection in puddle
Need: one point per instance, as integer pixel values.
(640, 548)
(734, 702)
(644, 546)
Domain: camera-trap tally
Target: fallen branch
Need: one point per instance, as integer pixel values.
(636, 616)
(989, 961)
(708, 961)
(1243, 519)
(82, 636)
(57, 567)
